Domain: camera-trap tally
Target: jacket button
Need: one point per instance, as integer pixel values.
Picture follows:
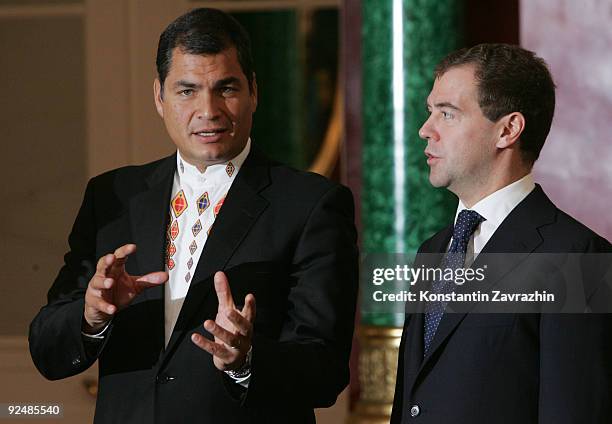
(76, 361)
(164, 378)
(415, 411)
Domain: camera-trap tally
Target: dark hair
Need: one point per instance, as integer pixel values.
(511, 79)
(204, 31)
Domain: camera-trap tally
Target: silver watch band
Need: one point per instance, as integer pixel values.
(244, 370)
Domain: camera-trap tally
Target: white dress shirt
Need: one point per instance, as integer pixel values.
(495, 208)
(192, 218)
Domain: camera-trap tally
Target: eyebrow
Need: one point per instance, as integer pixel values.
(446, 105)
(227, 81)
(221, 83)
(186, 84)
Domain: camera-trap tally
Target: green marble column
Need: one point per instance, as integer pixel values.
(400, 209)
(402, 41)
(277, 124)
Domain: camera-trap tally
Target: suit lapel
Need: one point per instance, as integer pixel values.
(439, 242)
(148, 220)
(430, 256)
(149, 217)
(519, 235)
(240, 210)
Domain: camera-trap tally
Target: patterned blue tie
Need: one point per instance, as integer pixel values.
(466, 224)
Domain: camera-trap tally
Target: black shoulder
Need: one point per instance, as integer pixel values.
(302, 186)
(576, 236)
(132, 171)
(129, 179)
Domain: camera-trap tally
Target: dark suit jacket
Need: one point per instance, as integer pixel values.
(286, 236)
(511, 368)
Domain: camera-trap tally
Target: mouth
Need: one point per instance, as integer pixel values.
(431, 159)
(209, 135)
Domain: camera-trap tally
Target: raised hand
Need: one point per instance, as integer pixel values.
(112, 288)
(232, 328)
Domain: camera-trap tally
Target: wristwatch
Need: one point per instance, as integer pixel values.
(244, 370)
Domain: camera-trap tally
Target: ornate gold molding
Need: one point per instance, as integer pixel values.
(379, 347)
(327, 157)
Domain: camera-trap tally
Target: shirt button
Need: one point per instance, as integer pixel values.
(415, 411)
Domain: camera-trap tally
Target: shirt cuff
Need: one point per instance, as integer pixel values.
(99, 335)
(243, 381)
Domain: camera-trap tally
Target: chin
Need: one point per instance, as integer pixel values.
(212, 155)
(437, 182)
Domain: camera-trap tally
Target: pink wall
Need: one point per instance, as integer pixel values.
(575, 167)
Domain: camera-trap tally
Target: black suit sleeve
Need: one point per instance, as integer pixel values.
(57, 346)
(308, 365)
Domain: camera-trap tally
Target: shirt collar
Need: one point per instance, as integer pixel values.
(498, 205)
(213, 174)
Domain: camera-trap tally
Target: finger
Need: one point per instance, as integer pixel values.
(124, 251)
(99, 304)
(248, 310)
(224, 295)
(243, 325)
(215, 349)
(103, 263)
(152, 279)
(95, 292)
(120, 256)
(230, 339)
(100, 283)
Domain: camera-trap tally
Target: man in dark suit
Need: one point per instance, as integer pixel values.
(264, 341)
(491, 108)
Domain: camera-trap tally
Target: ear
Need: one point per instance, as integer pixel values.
(511, 128)
(254, 92)
(157, 95)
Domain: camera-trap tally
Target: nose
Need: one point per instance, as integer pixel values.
(207, 107)
(427, 132)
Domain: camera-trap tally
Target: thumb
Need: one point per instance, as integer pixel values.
(224, 295)
(152, 279)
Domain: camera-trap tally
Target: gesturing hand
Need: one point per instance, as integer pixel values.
(112, 288)
(232, 329)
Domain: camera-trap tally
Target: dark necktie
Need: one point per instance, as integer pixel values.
(466, 224)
